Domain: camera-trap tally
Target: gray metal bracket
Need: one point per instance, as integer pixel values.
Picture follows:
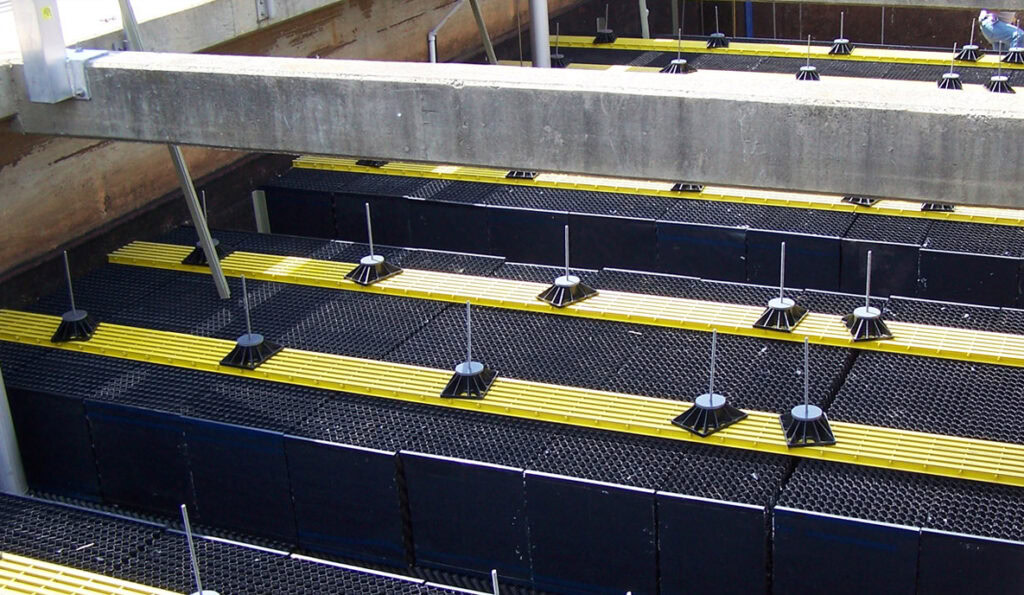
(76, 63)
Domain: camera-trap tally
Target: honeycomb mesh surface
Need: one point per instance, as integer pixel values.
(428, 260)
(186, 235)
(992, 240)
(705, 212)
(751, 373)
(804, 221)
(314, 179)
(839, 304)
(980, 318)
(384, 185)
(878, 228)
(71, 537)
(713, 61)
(579, 201)
(536, 273)
(107, 290)
(928, 501)
(933, 395)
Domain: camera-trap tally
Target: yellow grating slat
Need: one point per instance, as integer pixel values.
(772, 198)
(19, 574)
(778, 50)
(698, 315)
(947, 456)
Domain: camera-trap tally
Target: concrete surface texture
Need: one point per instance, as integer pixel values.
(58, 189)
(841, 135)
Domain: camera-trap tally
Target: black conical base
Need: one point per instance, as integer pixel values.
(371, 163)
(559, 61)
(521, 174)
(808, 73)
(1014, 56)
(860, 201)
(867, 327)
(605, 36)
(968, 53)
(372, 269)
(807, 432)
(950, 80)
(197, 256)
(565, 291)
(472, 385)
(704, 421)
(999, 84)
(250, 351)
(717, 40)
(678, 66)
(75, 325)
(938, 207)
(687, 187)
(841, 47)
(779, 316)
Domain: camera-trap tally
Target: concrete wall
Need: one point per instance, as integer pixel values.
(58, 189)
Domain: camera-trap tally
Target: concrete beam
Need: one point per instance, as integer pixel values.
(840, 135)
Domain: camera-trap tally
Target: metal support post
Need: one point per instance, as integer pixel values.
(12, 475)
(539, 41)
(259, 209)
(432, 34)
(482, 26)
(131, 28)
(645, 26)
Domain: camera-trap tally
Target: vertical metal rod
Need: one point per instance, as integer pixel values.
(567, 252)
(245, 303)
(645, 26)
(841, 15)
(782, 270)
(540, 41)
(482, 27)
(953, 59)
(867, 283)
(469, 335)
(369, 227)
(67, 276)
(679, 45)
(519, 32)
(259, 210)
(717, 29)
(974, 23)
(494, 582)
(675, 14)
(12, 474)
(807, 374)
(808, 50)
(882, 42)
(432, 48)
(606, 15)
(714, 348)
(192, 550)
(131, 28)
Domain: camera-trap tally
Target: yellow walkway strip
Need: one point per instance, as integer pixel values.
(778, 50)
(979, 460)
(801, 200)
(682, 313)
(19, 574)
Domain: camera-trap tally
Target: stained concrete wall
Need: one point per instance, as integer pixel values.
(57, 189)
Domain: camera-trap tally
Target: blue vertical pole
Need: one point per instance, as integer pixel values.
(748, 16)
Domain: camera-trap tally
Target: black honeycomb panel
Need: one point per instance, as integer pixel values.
(71, 537)
(527, 235)
(186, 235)
(390, 215)
(975, 238)
(428, 260)
(607, 204)
(645, 283)
(710, 212)
(302, 212)
(18, 362)
(894, 267)
(978, 279)
(314, 179)
(230, 568)
(465, 192)
(543, 274)
(721, 61)
(527, 197)
(107, 291)
(880, 228)
(933, 395)
(448, 226)
(546, 348)
(485, 438)
(367, 422)
(287, 245)
(599, 241)
(756, 374)
(909, 499)
(701, 251)
(396, 186)
(839, 304)
(948, 314)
